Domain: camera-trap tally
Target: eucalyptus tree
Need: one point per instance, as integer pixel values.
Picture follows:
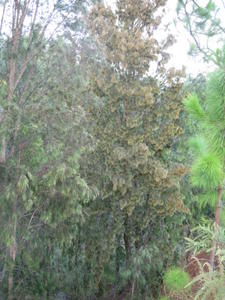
(40, 179)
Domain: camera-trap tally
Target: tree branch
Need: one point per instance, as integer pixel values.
(3, 14)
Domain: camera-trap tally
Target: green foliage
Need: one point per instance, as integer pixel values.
(215, 96)
(212, 283)
(192, 105)
(176, 279)
(163, 298)
(203, 21)
(212, 280)
(198, 145)
(202, 237)
(207, 172)
(207, 199)
(135, 119)
(91, 202)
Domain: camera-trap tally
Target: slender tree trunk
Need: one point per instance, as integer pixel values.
(3, 151)
(12, 251)
(133, 288)
(117, 262)
(13, 246)
(127, 246)
(3, 15)
(217, 223)
(126, 240)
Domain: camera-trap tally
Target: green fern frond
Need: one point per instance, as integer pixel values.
(193, 107)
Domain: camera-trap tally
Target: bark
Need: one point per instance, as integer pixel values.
(117, 262)
(127, 246)
(126, 240)
(11, 88)
(3, 15)
(12, 252)
(3, 152)
(217, 223)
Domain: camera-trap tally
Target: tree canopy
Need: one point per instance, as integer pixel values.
(98, 182)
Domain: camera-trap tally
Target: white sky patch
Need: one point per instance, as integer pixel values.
(179, 51)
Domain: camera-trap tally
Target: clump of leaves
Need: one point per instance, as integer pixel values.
(164, 298)
(207, 171)
(176, 279)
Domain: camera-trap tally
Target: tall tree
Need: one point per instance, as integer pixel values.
(39, 157)
(136, 119)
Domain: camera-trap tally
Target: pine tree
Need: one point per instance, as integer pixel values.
(208, 168)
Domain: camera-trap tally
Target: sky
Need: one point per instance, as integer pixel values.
(179, 51)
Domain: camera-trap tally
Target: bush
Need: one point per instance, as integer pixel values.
(176, 279)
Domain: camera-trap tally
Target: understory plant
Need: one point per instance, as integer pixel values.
(175, 281)
(209, 280)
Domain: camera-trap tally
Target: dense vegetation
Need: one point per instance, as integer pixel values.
(109, 158)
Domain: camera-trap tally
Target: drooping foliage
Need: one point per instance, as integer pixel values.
(42, 190)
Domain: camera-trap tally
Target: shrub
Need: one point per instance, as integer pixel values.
(176, 279)
(164, 298)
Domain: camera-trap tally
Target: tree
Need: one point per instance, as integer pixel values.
(40, 177)
(136, 120)
(208, 146)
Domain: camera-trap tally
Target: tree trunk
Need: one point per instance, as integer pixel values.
(117, 262)
(126, 240)
(217, 223)
(3, 151)
(12, 252)
(127, 246)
